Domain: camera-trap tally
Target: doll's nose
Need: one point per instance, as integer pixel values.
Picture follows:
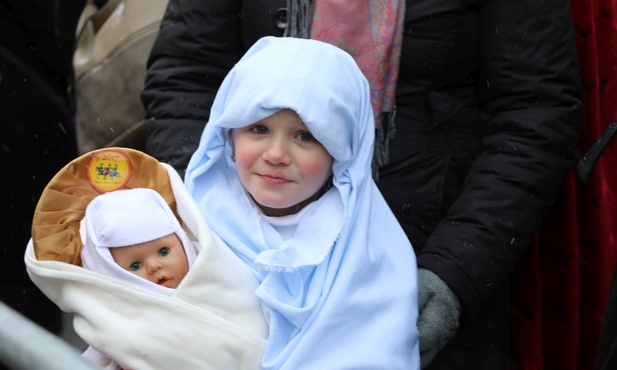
(154, 266)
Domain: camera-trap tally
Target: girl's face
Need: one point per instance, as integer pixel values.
(162, 261)
(280, 163)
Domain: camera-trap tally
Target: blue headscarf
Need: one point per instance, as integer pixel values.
(342, 292)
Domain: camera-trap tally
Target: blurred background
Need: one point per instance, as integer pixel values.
(37, 133)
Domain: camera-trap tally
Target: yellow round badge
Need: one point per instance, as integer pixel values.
(109, 170)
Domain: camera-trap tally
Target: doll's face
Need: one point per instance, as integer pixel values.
(162, 261)
(280, 163)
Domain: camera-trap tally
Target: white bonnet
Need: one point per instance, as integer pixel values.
(125, 217)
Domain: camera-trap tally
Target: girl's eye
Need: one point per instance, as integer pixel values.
(135, 266)
(305, 136)
(164, 251)
(259, 129)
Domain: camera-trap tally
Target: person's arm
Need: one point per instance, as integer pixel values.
(532, 106)
(198, 43)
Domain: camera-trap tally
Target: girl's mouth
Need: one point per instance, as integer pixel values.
(273, 180)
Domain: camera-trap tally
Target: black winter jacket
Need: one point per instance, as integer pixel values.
(488, 110)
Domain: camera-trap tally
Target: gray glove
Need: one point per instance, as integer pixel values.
(438, 313)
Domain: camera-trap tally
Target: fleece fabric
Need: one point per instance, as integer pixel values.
(212, 321)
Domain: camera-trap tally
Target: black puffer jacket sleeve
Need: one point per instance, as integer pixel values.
(531, 106)
(198, 43)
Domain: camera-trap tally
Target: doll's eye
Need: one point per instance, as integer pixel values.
(135, 266)
(164, 251)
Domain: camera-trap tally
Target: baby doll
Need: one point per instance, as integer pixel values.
(133, 235)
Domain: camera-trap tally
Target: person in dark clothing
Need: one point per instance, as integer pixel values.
(35, 130)
(37, 137)
(488, 108)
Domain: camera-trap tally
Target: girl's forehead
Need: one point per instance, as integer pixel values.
(284, 116)
(283, 113)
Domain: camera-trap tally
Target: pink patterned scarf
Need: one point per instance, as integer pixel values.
(369, 30)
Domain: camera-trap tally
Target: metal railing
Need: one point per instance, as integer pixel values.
(24, 345)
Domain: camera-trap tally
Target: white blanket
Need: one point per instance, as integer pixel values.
(213, 321)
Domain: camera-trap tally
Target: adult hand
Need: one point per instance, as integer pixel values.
(439, 311)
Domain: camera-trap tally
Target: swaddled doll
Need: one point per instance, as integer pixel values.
(94, 208)
(133, 235)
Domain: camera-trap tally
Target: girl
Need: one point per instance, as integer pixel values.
(283, 176)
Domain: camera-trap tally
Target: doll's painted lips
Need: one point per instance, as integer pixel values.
(164, 281)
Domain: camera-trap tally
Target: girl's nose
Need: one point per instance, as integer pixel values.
(276, 153)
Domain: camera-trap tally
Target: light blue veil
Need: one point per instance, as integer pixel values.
(342, 292)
